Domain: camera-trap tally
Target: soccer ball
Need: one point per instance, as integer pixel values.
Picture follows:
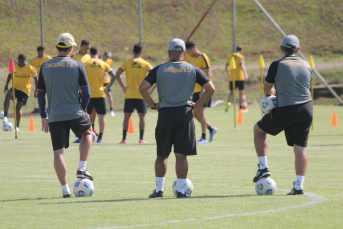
(268, 103)
(94, 136)
(83, 187)
(188, 187)
(7, 126)
(265, 186)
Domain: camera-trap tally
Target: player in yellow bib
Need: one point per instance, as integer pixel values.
(201, 61)
(241, 75)
(22, 86)
(107, 58)
(82, 55)
(40, 59)
(136, 70)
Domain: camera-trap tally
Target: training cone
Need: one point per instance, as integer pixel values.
(32, 124)
(244, 102)
(334, 119)
(131, 127)
(240, 119)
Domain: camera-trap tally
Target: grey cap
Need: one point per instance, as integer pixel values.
(290, 41)
(176, 44)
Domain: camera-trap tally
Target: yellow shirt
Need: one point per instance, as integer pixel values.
(96, 69)
(136, 70)
(82, 58)
(37, 62)
(22, 78)
(201, 62)
(187, 58)
(239, 74)
(107, 77)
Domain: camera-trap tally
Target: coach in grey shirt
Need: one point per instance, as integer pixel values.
(175, 127)
(291, 77)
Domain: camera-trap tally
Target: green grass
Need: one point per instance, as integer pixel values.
(30, 193)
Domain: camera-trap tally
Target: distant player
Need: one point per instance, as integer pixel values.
(61, 78)
(22, 87)
(40, 59)
(292, 79)
(136, 70)
(107, 58)
(96, 69)
(175, 126)
(82, 55)
(201, 60)
(241, 75)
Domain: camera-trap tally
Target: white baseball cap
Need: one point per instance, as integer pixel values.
(67, 39)
(176, 44)
(290, 41)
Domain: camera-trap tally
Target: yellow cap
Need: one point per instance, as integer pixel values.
(67, 39)
(232, 63)
(261, 62)
(312, 62)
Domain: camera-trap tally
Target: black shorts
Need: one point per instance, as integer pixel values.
(196, 97)
(175, 126)
(238, 84)
(20, 96)
(99, 104)
(138, 104)
(105, 84)
(60, 131)
(294, 120)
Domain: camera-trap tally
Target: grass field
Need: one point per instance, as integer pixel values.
(223, 196)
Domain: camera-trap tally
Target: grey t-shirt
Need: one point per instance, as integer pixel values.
(175, 82)
(292, 78)
(61, 78)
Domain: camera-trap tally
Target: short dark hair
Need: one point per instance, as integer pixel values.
(289, 50)
(137, 49)
(62, 49)
(21, 57)
(190, 44)
(40, 48)
(94, 50)
(85, 42)
(239, 48)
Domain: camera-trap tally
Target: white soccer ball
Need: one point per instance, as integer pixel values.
(268, 103)
(7, 126)
(265, 186)
(188, 187)
(83, 187)
(2, 114)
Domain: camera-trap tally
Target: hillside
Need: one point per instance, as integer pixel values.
(113, 25)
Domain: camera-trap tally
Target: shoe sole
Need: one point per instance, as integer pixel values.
(264, 175)
(84, 177)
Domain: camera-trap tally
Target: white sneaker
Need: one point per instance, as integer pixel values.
(113, 114)
(5, 119)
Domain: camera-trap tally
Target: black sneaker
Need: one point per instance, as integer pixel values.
(84, 174)
(296, 191)
(67, 195)
(261, 173)
(155, 194)
(180, 195)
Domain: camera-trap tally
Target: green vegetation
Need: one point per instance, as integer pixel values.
(30, 194)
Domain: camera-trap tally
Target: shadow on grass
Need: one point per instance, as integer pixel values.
(29, 199)
(147, 199)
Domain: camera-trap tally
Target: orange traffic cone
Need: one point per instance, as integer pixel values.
(32, 124)
(131, 127)
(244, 102)
(240, 119)
(334, 121)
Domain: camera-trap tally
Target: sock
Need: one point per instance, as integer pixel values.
(181, 185)
(203, 136)
(93, 126)
(5, 114)
(159, 183)
(262, 162)
(100, 135)
(210, 128)
(124, 134)
(111, 108)
(65, 189)
(82, 165)
(141, 134)
(299, 183)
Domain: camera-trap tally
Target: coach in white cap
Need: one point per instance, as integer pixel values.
(175, 127)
